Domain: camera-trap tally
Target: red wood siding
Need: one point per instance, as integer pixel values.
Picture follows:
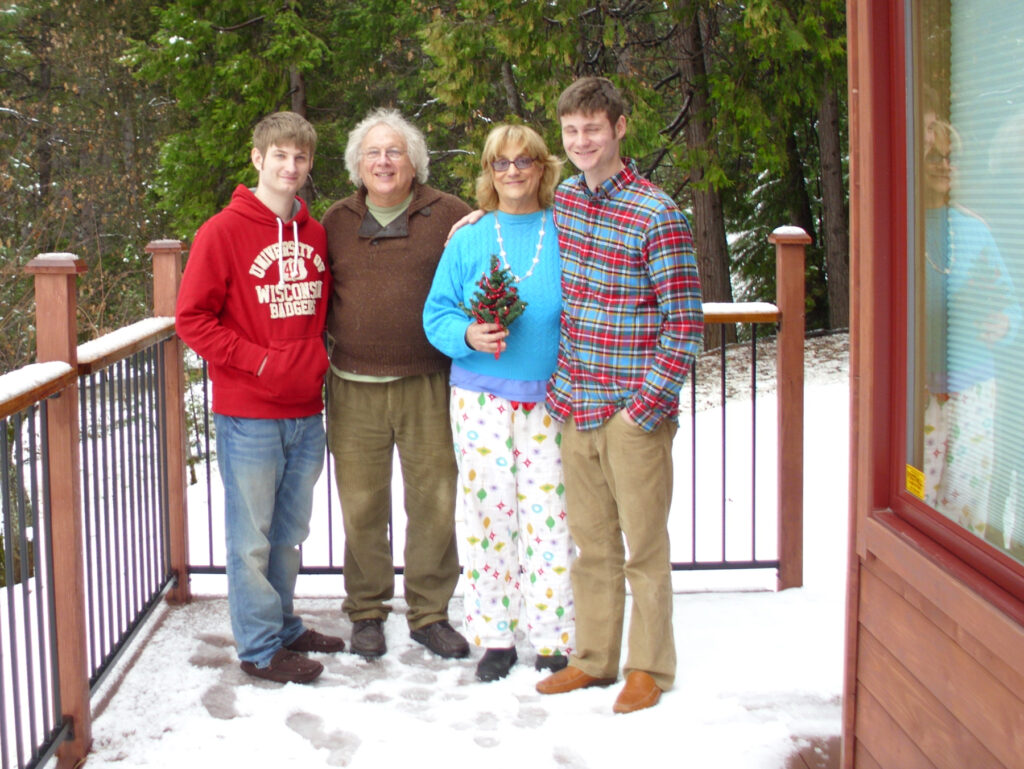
(935, 649)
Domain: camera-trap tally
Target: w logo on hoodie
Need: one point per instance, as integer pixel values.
(294, 269)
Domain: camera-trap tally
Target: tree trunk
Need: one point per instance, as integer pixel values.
(297, 90)
(508, 80)
(836, 233)
(44, 149)
(796, 189)
(709, 220)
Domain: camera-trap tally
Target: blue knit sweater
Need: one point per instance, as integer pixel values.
(532, 343)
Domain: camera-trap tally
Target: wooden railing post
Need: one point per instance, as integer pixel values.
(167, 255)
(789, 297)
(57, 340)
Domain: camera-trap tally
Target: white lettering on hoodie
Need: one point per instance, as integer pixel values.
(288, 297)
(271, 254)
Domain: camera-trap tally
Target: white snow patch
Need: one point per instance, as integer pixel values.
(27, 378)
(124, 337)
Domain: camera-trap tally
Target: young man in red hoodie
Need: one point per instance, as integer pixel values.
(253, 303)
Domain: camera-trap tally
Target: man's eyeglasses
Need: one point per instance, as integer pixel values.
(393, 153)
(522, 163)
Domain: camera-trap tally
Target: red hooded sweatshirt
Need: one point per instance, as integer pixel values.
(253, 302)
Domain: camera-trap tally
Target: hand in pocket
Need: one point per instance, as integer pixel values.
(295, 368)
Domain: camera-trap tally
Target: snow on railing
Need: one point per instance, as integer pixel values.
(92, 506)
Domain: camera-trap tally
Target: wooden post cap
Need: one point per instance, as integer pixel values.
(789, 234)
(56, 263)
(164, 245)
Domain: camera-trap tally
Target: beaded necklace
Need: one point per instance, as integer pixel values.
(504, 256)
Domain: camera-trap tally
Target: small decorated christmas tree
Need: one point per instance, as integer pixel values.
(497, 301)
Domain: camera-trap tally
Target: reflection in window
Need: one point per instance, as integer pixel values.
(966, 435)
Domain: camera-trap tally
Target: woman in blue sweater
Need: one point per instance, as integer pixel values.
(517, 547)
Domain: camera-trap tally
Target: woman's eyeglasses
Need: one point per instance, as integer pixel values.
(522, 163)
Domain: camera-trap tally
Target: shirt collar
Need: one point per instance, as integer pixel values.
(611, 186)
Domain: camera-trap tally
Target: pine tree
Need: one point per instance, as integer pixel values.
(497, 301)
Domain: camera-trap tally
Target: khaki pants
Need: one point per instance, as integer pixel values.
(366, 421)
(618, 483)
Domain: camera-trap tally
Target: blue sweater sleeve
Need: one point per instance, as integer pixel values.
(443, 320)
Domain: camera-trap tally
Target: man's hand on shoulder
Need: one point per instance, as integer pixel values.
(471, 218)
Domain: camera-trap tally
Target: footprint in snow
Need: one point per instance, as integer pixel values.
(341, 746)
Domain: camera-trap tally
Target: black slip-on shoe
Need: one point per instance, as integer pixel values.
(495, 664)
(552, 662)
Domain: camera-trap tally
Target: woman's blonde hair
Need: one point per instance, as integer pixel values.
(500, 138)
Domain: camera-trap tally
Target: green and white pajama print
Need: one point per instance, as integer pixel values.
(516, 541)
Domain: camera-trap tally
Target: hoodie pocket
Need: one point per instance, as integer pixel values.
(295, 368)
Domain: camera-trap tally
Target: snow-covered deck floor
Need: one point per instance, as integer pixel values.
(758, 686)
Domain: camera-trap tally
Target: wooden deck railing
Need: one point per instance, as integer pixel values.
(55, 277)
(58, 521)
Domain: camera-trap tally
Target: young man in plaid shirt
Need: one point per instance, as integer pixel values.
(631, 326)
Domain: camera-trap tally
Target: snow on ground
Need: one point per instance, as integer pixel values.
(760, 674)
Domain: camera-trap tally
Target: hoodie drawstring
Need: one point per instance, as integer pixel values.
(280, 250)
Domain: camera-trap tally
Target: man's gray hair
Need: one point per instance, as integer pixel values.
(415, 143)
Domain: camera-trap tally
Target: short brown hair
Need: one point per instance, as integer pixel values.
(591, 95)
(498, 139)
(282, 128)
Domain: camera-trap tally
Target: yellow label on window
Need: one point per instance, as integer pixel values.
(915, 481)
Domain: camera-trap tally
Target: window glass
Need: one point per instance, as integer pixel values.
(966, 275)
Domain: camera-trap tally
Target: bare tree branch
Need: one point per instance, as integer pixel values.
(679, 121)
(667, 79)
(242, 25)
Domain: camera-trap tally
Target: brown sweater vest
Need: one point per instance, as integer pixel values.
(381, 280)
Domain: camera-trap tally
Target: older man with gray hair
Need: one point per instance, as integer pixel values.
(388, 386)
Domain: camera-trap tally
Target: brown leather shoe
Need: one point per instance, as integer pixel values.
(442, 639)
(639, 692)
(368, 638)
(569, 679)
(286, 667)
(313, 642)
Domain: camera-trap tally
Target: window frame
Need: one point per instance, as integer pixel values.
(1002, 571)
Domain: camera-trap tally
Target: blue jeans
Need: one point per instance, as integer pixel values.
(268, 467)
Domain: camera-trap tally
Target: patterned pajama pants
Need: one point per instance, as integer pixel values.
(518, 549)
(959, 441)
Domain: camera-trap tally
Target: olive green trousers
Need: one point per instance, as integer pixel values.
(366, 422)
